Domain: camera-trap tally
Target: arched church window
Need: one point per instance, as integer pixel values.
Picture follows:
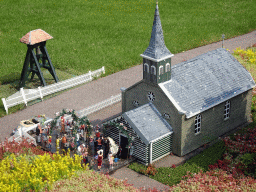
(146, 67)
(161, 70)
(153, 70)
(167, 67)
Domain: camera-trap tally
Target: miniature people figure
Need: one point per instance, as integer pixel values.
(82, 127)
(45, 139)
(110, 159)
(131, 150)
(79, 149)
(62, 131)
(50, 143)
(85, 157)
(57, 143)
(64, 142)
(91, 145)
(37, 130)
(77, 139)
(97, 134)
(119, 151)
(81, 138)
(99, 143)
(100, 160)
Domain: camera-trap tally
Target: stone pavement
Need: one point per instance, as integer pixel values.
(96, 91)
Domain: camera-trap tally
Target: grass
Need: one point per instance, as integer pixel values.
(171, 176)
(112, 33)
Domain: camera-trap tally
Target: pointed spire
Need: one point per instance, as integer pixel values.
(157, 50)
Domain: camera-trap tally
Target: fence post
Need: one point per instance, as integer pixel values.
(90, 73)
(23, 95)
(41, 95)
(5, 105)
(103, 69)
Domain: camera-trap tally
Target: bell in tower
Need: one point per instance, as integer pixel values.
(157, 58)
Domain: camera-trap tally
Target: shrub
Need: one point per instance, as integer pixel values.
(151, 170)
(37, 172)
(217, 180)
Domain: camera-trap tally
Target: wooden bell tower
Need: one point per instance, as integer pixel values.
(36, 42)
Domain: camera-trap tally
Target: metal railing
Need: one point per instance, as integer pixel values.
(24, 96)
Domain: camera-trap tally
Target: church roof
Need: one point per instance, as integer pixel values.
(147, 123)
(206, 81)
(35, 36)
(157, 50)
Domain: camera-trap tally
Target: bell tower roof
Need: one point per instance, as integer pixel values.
(157, 51)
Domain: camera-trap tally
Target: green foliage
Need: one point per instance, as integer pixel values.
(208, 156)
(171, 176)
(89, 34)
(248, 158)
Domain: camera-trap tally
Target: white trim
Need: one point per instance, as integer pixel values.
(103, 69)
(23, 95)
(161, 85)
(166, 66)
(153, 141)
(40, 91)
(156, 60)
(161, 67)
(145, 65)
(152, 66)
(5, 105)
(90, 74)
(150, 154)
(227, 110)
(198, 117)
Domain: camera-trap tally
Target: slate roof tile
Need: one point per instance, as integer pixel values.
(205, 81)
(147, 122)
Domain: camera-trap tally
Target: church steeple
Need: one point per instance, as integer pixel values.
(156, 58)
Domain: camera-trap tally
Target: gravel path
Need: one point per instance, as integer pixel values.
(101, 89)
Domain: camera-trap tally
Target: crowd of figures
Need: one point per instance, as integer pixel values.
(95, 147)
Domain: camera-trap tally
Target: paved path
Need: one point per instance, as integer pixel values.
(101, 89)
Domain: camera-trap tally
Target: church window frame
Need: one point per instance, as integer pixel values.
(161, 70)
(135, 103)
(166, 116)
(167, 67)
(146, 67)
(153, 70)
(151, 96)
(227, 110)
(198, 123)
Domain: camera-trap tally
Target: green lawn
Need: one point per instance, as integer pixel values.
(89, 34)
(112, 33)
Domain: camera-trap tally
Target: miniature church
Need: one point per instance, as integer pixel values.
(177, 109)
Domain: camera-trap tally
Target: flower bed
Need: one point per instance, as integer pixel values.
(24, 167)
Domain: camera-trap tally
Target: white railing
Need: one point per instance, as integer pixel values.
(22, 131)
(23, 96)
(110, 101)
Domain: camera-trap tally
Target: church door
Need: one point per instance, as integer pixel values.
(123, 144)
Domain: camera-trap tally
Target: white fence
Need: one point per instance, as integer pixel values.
(22, 131)
(112, 100)
(23, 96)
